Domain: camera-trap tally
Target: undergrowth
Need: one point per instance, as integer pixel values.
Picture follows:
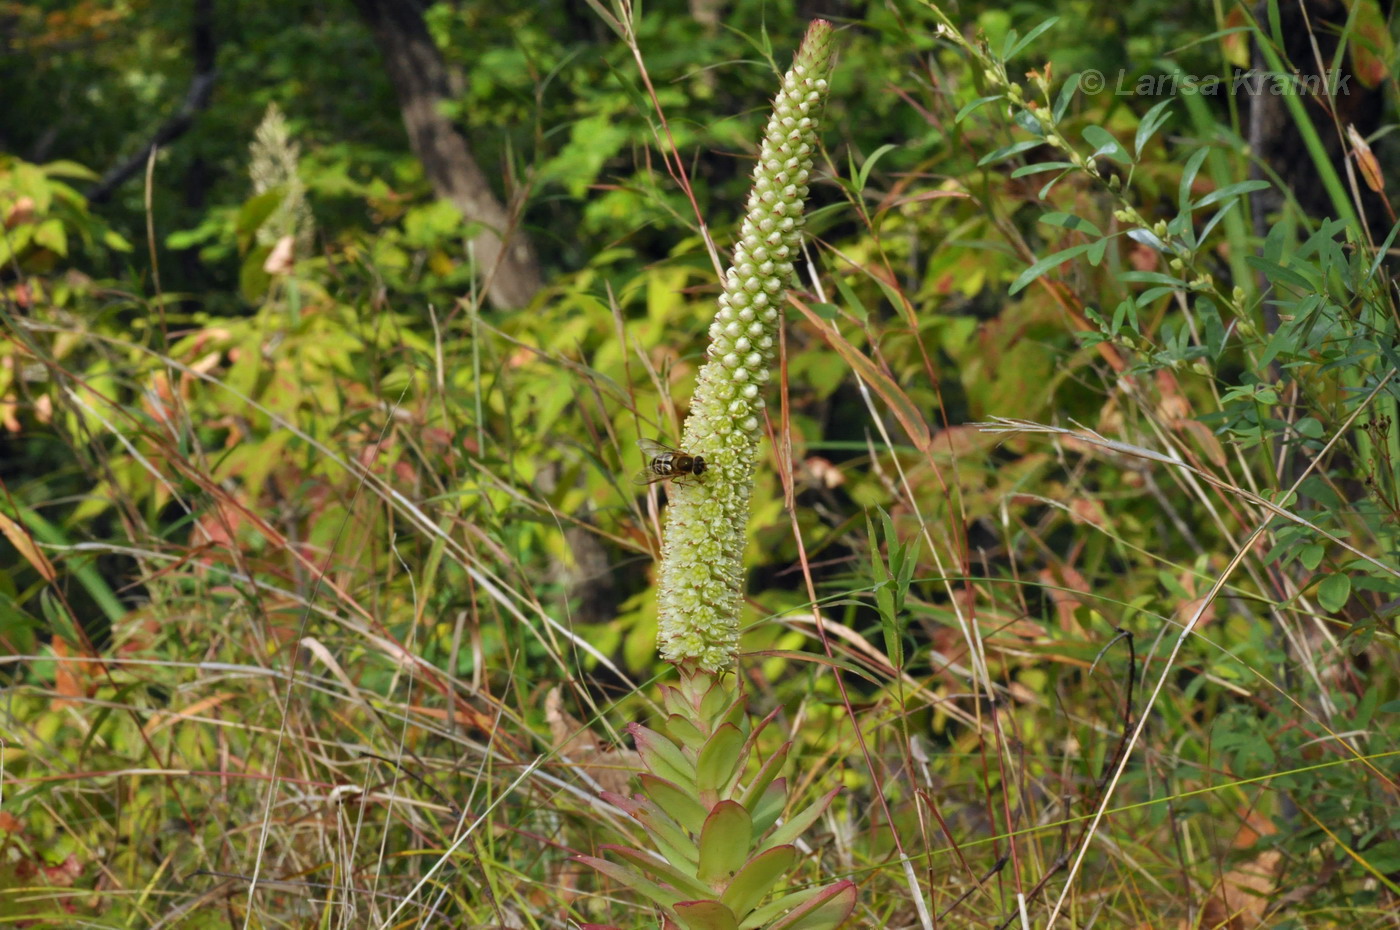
(330, 612)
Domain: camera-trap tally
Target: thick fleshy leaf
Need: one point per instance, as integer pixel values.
(662, 757)
(736, 714)
(684, 731)
(717, 700)
(673, 699)
(766, 773)
(770, 807)
(725, 842)
(679, 805)
(652, 867)
(828, 909)
(623, 875)
(621, 802)
(719, 760)
(705, 915)
(758, 876)
(800, 822)
(748, 751)
(668, 837)
(774, 909)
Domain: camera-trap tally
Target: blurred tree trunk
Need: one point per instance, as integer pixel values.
(422, 82)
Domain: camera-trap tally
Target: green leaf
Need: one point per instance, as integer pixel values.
(1152, 277)
(772, 767)
(69, 169)
(666, 835)
(827, 909)
(735, 715)
(884, 599)
(1275, 273)
(1029, 37)
(705, 915)
(1070, 221)
(769, 807)
(648, 864)
(683, 807)
(976, 105)
(1231, 190)
(1067, 93)
(1188, 178)
(756, 879)
(1311, 556)
(1151, 121)
(662, 757)
(253, 281)
(1309, 427)
(1046, 264)
(51, 235)
(1215, 220)
(719, 759)
(854, 305)
(1332, 594)
(1008, 151)
(255, 212)
(718, 701)
(1041, 167)
(798, 823)
(1105, 144)
(1148, 238)
(115, 241)
(1385, 856)
(725, 842)
(684, 731)
(864, 175)
(663, 897)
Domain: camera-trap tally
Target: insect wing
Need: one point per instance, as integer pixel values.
(651, 449)
(648, 476)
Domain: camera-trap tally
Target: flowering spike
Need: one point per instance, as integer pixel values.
(701, 570)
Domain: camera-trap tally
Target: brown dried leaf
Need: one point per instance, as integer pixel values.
(21, 211)
(70, 679)
(1173, 406)
(21, 540)
(1371, 46)
(1365, 160)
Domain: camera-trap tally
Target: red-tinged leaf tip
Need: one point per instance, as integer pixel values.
(827, 909)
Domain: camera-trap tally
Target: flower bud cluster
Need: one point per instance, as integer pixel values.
(701, 568)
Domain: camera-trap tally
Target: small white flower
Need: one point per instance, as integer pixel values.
(701, 570)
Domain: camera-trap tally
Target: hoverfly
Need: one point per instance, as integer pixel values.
(664, 462)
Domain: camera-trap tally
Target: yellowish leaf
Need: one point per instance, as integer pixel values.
(21, 540)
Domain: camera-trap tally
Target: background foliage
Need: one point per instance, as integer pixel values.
(297, 558)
